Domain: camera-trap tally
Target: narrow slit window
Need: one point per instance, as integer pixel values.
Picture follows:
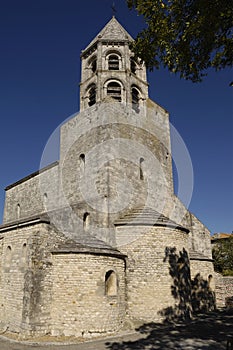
(8, 255)
(140, 169)
(82, 157)
(86, 220)
(18, 211)
(210, 282)
(92, 96)
(45, 198)
(24, 254)
(82, 162)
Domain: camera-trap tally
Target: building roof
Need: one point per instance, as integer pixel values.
(221, 235)
(29, 221)
(147, 217)
(88, 245)
(81, 242)
(194, 255)
(113, 32)
(28, 177)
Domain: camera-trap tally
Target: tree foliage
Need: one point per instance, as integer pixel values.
(223, 256)
(186, 36)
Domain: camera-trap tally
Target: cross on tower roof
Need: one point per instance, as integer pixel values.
(113, 7)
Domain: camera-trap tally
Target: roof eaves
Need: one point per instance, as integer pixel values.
(41, 219)
(28, 177)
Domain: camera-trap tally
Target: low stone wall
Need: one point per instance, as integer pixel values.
(223, 289)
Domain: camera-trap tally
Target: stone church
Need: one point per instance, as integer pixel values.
(98, 240)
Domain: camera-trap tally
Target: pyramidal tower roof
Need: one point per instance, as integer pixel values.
(113, 31)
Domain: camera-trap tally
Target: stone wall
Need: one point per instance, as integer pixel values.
(29, 196)
(1, 279)
(204, 268)
(14, 256)
(149, 283)
(101, 149)
(80, 305)
(26, 286)
(44, 293)
(199, 236)
(224, 289)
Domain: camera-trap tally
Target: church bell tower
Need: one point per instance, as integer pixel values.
(109, 69)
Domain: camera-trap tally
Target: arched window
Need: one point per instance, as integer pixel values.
(110, 283)
(113, 62)
(135, 98)
(114, 90)
(92, 95)
(133, 66)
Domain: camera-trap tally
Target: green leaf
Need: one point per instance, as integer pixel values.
(198, 32)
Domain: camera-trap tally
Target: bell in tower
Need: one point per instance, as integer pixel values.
(109, 69)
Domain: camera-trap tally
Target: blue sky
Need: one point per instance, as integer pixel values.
(41, 43)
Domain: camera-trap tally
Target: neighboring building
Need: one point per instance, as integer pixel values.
(90, 243)
(223, 283)
(219, 236)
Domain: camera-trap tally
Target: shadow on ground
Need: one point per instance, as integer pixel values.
(209, 331)
(192, 322)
